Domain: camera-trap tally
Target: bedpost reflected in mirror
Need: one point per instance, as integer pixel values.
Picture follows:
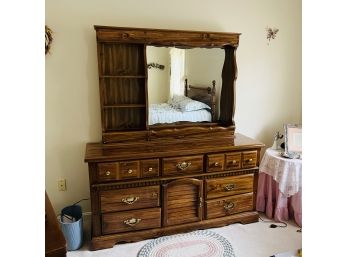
(188, 89)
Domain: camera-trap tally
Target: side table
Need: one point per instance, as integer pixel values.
(279, 192)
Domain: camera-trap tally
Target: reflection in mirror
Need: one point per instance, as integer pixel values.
(168, 100)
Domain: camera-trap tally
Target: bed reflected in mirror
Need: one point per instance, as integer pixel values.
(183, 84)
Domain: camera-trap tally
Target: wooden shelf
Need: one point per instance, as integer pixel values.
(123, 76)
(124, 106)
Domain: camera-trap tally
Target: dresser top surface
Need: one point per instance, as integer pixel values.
(162, 148)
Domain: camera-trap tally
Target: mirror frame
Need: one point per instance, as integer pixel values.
(181, 39)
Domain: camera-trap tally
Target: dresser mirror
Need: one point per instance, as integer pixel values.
(168, 70)
(134, 79)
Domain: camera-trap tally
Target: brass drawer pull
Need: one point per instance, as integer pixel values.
(228, 206)
(130, 171)
(229, 187)
(130, 200)
(132, 222)
(216, 164)
(250, 160)
(107, 173)
(183, 165)
(234, 161)
(150, 169)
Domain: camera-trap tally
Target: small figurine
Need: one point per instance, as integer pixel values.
(276, 138)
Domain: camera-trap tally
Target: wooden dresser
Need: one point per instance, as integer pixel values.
(155, 188)
(148, 180)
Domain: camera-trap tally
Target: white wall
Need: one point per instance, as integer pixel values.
(268, 83)
(158, 80)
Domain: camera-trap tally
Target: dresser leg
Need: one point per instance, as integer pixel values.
(250, 219)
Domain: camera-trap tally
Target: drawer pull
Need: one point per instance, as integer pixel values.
(228, 206)
(150, 169)
(216, 164)
(250, 160)
(107, 173)
(229, 187)
(130, 171)
(234, 161)
(183, 165)
(130, 200)
(132, 222)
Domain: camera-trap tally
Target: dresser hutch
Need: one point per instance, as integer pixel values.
(148, 181)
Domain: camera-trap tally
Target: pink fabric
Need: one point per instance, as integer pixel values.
(275, 204)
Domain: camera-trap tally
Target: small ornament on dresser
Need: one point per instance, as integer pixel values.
(277, 136)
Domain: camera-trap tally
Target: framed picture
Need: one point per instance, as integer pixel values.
(293, 140)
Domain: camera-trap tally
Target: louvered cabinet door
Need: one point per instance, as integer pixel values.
(182, 201)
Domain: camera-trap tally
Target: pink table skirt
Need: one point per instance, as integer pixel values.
(275, 203)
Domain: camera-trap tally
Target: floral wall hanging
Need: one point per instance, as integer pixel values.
(48, 39)
(271, 33)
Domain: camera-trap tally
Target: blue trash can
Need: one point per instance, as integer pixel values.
(71, 223)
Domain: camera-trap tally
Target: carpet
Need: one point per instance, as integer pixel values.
(294, 253)
(200, 243)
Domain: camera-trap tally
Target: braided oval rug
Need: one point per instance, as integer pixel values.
(200, 243)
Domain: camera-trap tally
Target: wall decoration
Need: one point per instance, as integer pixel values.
(271, 33)
(277, 136)
(155, 65)
(48, 39)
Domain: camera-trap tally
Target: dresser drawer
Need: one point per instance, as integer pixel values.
(149, 168)
(225, 206)
(182, 165)
(131, 220)
(229, 186)
(249, 159)
(215, 162)
(129, 199)
(233, 161)
(129, 170)
(107, 171)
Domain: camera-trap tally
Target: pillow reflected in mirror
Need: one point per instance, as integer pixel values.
(186, 104)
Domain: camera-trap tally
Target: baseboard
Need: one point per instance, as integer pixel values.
(87, 221)
(87, 213)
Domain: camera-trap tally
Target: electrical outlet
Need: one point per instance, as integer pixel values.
(62, 185)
